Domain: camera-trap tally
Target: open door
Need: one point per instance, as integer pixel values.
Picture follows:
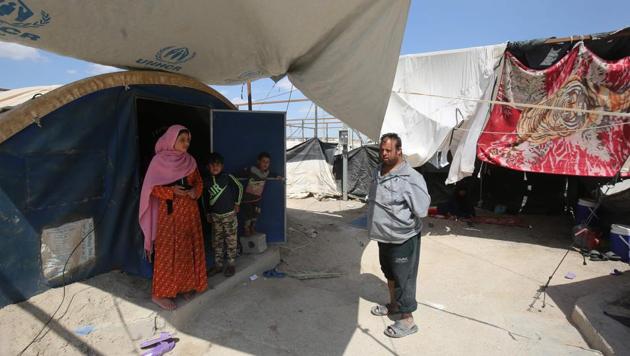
(240, 136)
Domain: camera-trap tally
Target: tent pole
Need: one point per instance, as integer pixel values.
(344, 177)
(326, 132)
(302, 130)
(249, 95)
(316, 129)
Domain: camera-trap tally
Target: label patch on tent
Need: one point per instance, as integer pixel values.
(169, 58)
(16, 18)
(58, 243)
(18, 14)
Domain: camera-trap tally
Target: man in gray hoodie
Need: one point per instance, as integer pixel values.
(397, 201)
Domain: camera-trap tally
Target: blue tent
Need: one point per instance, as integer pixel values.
(71, 165)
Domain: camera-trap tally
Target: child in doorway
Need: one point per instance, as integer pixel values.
(256, 177)
(225, 193)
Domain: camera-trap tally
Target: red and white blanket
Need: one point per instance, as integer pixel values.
(554, 141)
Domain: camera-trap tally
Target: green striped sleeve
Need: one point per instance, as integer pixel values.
(240, 189)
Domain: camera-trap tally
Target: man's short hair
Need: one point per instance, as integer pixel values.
(215, 157)
(392, 136)
(262, 155)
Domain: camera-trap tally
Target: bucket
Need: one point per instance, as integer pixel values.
(583, 211)
(617, 245)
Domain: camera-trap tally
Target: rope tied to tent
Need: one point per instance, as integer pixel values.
(522, 105)
(624, 115)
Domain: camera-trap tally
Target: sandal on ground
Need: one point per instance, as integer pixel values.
(274, 273)
(229, 271)
(382, 310)
(164, 336)
(596, 256)
(160, 349)
(612, 256)
(398, 329)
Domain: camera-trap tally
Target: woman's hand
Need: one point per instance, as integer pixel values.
(191, 194)
(179, 190)
(237, 208)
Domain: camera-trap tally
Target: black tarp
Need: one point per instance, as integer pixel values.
(537, 54)
(361, 164)
(311, 151)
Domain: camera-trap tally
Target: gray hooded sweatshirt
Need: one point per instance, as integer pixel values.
(396, 203)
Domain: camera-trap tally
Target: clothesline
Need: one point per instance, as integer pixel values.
(547, 132)
(531, 106)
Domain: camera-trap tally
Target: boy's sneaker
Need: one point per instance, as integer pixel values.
(229, 271)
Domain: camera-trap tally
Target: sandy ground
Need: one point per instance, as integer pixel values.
(477, 291)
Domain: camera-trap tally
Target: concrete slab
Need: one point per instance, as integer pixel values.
(246, 266)
(599, 330)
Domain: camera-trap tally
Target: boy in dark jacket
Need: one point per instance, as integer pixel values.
(225, 193)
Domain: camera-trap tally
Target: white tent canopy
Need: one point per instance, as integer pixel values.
(425, 122)
(18, 96)
(340, 54)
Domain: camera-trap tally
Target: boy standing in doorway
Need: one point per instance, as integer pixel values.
(225, 194)
(256, 177)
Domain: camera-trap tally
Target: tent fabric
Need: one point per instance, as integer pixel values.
(20, 117)
(425, 123)
(537, 54)
(80, 164)
(14, 97)
(362, 161)
(555, 141)
(340, 54)
(309, 172)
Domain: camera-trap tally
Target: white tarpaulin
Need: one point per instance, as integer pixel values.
(16, 97)
(425, 122)
(340, 54)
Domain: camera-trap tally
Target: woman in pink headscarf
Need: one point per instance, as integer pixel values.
(169, 218)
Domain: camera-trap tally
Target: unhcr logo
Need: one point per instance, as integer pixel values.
(16, 17)
(169, 58)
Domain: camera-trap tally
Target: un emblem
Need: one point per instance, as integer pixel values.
(174, 55)
(17, 14)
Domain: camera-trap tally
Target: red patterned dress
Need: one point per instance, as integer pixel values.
(179, 259)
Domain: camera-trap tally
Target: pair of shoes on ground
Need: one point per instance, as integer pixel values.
(399, 328)
(595, 255)
(228, 271)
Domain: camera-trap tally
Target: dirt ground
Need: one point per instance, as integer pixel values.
(477, 293)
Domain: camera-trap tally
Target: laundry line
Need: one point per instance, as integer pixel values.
(515, 105)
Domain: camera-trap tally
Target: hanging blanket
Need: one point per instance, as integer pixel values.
(554, 141)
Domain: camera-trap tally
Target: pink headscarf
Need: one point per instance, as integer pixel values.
(167, 166)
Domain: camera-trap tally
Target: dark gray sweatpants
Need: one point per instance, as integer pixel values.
(399, 263)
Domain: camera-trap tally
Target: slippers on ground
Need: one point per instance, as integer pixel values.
(161, 348)
(398, 329)
(164, 336)
(595, 255)
(274, 273)
(612, 256)
(381, 310)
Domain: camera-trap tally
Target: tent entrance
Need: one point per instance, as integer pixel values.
(155, 116)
